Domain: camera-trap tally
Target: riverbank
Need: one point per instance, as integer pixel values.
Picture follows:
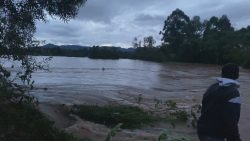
(97, 132)
(82, 81)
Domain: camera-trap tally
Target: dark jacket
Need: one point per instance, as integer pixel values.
(220, 112)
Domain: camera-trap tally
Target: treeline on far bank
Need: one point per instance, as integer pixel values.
(184, 39)
(100, 52)
(213, 40)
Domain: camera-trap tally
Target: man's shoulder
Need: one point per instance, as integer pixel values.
(211, 90)
(225, 93)
(232, 94)
(213, 87)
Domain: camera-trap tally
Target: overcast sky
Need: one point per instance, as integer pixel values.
(117, 22)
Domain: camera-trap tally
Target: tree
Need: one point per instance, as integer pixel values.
(197, 27)
(242, 37)
(149, 41)
(176, 31)
(210, 41)
(225, 24)
(192, 49)
(18, 24)
(135, 43)
(139, 43)
(218, 39)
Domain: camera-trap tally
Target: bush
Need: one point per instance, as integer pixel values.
(179, 115)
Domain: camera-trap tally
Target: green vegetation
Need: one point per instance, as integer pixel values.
(21, 121)
(130, 117)
(171, 104)
(97, 52)
(210, 41)
(134, 117)
(178, 115)
(53, 50)
(149, 54)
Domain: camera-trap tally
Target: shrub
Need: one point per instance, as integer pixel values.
(179, 115)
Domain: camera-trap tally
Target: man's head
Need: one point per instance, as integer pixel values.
(230, 71)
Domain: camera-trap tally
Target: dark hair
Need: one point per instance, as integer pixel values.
(230, 71)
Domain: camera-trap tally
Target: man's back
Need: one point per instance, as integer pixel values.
(220, 111)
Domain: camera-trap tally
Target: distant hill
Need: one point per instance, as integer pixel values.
(127, 50)
(78, 47)
(68, 47)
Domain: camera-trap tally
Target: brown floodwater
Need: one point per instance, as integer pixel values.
(85, 81)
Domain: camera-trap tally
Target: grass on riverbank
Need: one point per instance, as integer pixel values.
(130, 117)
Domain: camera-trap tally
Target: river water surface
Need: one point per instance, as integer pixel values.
(69, 77)
(73, 80)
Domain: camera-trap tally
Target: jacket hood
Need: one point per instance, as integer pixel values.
(224, 82)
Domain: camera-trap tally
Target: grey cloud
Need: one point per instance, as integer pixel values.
(150, 20)
(57, 30)
(106, 10)
(64, 31)
(236, 10)
(118, 21)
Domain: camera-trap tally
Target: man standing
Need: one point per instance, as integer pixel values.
(220, 111)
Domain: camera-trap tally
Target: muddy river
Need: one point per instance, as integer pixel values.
(73, 80)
